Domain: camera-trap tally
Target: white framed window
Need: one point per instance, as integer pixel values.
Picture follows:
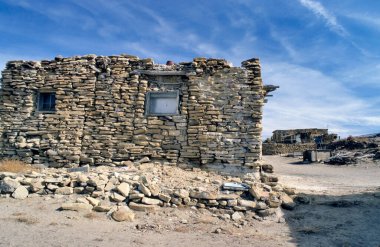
(162, 103)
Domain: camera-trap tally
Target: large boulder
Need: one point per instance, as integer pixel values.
(20, 193)
(123, 214)
(8, 185)
(123, 189)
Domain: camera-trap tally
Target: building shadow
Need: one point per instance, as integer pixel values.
(349, 220)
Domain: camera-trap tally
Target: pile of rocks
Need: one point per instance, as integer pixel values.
(118, 191)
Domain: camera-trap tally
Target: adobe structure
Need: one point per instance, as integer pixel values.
(105, 110)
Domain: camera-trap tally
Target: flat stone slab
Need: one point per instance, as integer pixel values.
(142, 207)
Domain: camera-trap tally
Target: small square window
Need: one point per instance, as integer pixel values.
(46, 102)
(162, 103)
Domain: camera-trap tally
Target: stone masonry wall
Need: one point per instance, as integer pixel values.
(281, 148)
(100, 116)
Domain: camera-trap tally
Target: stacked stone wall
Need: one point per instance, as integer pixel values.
(101, 119)
(280, 148)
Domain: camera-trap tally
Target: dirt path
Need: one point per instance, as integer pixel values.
(319, 178)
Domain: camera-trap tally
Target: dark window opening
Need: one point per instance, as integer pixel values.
(46, 102)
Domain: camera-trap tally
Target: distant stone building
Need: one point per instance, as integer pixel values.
(104, 110)
(297, 140)
(300, 135)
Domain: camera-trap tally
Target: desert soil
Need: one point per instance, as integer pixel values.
(343, 211)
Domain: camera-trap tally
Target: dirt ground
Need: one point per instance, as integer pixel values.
(343, 211)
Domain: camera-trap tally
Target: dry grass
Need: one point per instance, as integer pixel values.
(15, 166)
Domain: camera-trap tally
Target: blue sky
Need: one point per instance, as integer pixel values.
(324, 55)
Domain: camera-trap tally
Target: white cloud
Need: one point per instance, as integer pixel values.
(365, 18)
(319, 10)
(309, 99)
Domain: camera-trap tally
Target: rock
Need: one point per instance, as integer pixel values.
(51, 152)
(289, 191)
(117, 197)
(20, 193)
(266, 178)
(154, 189)
(236, 216)
(36, 186)
(261, 205)
(144, 160)
(142, 207)
(225, 217)
(150, 201)
(265, 212)
(82, 178)
(109, 186)
(164, 197)
(287, 202)
(232, 203)
(8, 185)
(96, 182)
(94, 202)
(247, 203)
(144, 190)
(52, 180)
(182, 193)
(85, 168)
(258, 193)
(64, 191)
(187, 201)
(302, 199)
(123, 214)
(136, 196)
(176, 200)
(96, 194)
(103, 207)
(123, 189)
(274, 201)
(377, 155)
(52, 187)
(267, 168)
(7, 174)
(203, 195)
(75, 206)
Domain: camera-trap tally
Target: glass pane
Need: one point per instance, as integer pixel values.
(163, 105)
(46, 102)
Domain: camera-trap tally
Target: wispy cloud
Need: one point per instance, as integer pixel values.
(319, 10)
(308, 98)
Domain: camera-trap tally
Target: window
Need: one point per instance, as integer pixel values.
(46, 102)
(162, 103)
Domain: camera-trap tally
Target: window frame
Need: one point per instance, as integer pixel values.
(157, 94)
(39, 104)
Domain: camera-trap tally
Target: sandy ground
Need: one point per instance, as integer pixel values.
(343, 211)
(325, 179)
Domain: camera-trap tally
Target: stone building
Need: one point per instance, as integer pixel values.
(106, 110)
(297, 140)
(301, 135)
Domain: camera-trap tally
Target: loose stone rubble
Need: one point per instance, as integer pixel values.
(120, 191)
(101, 117)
